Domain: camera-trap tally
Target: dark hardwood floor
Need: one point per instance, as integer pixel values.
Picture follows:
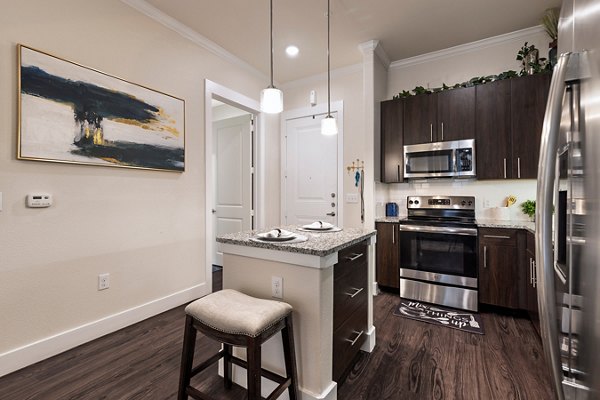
(412, 360)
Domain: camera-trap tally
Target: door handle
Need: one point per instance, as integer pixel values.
(484, 256)
(496, 236)
(332, 214)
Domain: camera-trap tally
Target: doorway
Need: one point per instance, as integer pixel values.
(232, 144)
(312, 166)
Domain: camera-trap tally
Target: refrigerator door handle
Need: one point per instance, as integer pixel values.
(543, 217)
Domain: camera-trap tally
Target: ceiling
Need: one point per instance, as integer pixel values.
(405, 28)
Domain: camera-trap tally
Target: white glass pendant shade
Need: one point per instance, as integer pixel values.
(271, 100)
(329, 126)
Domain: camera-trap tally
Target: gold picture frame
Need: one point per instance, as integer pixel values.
(70, 113)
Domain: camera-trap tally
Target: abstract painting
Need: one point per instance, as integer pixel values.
(75, 114)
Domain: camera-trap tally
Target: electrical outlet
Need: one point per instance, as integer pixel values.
(103, 281)
(277, 287)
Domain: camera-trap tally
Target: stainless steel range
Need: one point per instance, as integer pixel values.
(438, 251)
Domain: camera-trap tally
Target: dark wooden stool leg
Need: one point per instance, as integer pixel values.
(289, 353)
(254, 365)
(227, 348)
(187, 357)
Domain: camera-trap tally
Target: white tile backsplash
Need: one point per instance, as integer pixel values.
(492, 193)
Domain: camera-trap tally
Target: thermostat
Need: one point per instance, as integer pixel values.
(39, 200)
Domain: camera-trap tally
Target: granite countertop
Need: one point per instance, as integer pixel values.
(481, 223)
(318, 243)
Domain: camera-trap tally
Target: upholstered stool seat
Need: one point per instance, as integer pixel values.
(236, 319)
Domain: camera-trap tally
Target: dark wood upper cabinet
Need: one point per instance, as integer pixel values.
(492, 127)
(392, 168)
(529, 95)
(420, 119)
(387, 255)
(456, 114)
(442, 116)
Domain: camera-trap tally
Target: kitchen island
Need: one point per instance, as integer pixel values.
(330, 270)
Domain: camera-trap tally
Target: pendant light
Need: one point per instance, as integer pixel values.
(271, 98)
(328, 124)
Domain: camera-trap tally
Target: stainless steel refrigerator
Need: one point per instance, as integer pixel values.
(568, 210)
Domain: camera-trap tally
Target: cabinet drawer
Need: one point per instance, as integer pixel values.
(349, 292)
(500, 237)
(531, 242)
(347, 340)
(349, 258)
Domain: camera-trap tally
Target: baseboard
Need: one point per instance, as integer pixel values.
(369, 344)
(31, 353)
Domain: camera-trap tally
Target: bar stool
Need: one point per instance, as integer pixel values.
(236, 319)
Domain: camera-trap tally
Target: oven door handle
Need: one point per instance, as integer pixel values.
(439, 229)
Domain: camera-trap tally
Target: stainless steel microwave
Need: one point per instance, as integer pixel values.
(452, 159)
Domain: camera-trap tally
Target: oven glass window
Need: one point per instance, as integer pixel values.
(429, 161)
(440, 253)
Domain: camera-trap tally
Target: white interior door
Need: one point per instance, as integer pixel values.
(232, 139)
(311, 173)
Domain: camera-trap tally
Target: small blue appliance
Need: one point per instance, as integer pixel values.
(391, 210)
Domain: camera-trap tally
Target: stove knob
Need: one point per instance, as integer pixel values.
(416, 201)
(463, 203)
(470, 203)
(410, 202)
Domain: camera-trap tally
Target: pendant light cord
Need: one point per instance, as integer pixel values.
(272, 44)
(328, 66)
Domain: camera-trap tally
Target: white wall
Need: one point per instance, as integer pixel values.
(346, 85)
(450, 66)
(145, 228)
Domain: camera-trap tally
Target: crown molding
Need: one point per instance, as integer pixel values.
(467, 47)
(322, 77)
(376, 47)
(190, 34)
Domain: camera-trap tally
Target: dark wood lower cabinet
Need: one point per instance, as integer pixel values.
(499, 267)
(388, 255)
(350, 307)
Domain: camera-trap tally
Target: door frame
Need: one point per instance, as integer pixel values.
(320, 109)
(213, 90)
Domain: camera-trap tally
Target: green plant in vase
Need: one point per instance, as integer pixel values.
(528, 208)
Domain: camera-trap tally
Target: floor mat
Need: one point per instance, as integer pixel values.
(438, 315)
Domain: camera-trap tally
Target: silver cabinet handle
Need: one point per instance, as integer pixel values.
(332, 214)
(484, 256)
(393, 234)
(505, 168)
(356, 291)
(442, 132)
(519, 167)
(534, 274)
(496, 236)
(431, 132)
(398, 171)
(354, 256)
(352, 342)
(530, 271)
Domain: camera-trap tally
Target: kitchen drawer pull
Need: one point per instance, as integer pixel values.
(442, 131)
(431, 132)
(505, 168)
(354, 256)
(393, 234)
(398, 172)
(496, 236)
(519, 167)
(356, 291)
(530, 271)
(484, 256)
(352, 342)
(534, 275)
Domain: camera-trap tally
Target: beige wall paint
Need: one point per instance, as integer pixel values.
(145, 228)
(346, 85)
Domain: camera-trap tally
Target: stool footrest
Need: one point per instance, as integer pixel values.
(264, 372)
(205, 364)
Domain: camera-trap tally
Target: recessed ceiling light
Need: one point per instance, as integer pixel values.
(292, 51)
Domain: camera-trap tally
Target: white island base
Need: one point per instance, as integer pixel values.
(308, 287)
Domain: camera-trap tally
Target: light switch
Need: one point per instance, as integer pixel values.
(351, 198)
